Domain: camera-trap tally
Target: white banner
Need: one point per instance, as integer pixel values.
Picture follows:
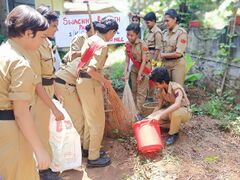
(70, 25)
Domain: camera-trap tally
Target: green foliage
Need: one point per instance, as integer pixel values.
(189, 62)
(211, 159)
(222, 108)
(115, 73)
(215, 107)
(193, 77)
(2, 38)
(62, 54)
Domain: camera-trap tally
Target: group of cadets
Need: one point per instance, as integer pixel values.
(161, 83)
(29, 82)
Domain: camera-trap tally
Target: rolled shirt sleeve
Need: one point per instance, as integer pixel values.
(23, 81)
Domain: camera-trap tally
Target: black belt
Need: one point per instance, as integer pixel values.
(61, 81)
(151, 48)
(7, 115)
(47, 82)
(169, 59)
(83, 74)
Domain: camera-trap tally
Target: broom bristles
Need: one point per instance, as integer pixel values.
(119, 117)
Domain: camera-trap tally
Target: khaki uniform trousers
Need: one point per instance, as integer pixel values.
(91, 96)
(174, 120)
(41, 114)
(16, 155)
(73, 106)
(139, 90)
(176, 70)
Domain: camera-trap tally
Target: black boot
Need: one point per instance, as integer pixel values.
(48, 174)
(102, 153)
(171, 139)
(100, 162)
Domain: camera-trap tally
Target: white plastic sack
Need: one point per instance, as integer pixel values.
(65, 143)
(128, 101)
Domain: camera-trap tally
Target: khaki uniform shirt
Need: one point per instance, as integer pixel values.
(47, 60)
(16, 76)
(100, 55)
(139, 49)
(175, 41)
(154, 40)
(69, 72)
(76, 45)
(170, 95)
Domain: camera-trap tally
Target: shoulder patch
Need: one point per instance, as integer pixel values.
(183, 41)
(145, 48)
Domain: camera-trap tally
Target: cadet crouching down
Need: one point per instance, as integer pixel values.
(90, 84)
(179, 109)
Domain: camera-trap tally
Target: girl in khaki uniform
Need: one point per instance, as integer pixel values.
(65, 87)
(90, 89)
(18, 137)
(179, 110)
(174, 47)
(139, 79)
(77, 43)
(45, 90)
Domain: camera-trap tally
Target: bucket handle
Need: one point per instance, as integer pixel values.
(148, 122)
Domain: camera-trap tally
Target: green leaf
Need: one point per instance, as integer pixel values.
(237, 107)
(189, 62)
(194, 77)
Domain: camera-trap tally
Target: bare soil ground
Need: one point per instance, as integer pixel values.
(203, 152)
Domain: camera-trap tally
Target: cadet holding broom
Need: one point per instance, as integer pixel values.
(18, 134)
(137, 53)
(77, 43)
(174, 47)
(90, 86)
(179, 110)
(65, 90)
(45, 90)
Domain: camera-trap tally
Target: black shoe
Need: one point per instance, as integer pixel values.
(102, 153)
(138, 117)
(100, 162)
(48, 175)
(171, 139)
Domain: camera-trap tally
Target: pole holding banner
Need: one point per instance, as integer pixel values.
(90, 16)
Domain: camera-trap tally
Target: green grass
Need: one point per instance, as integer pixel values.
(224, 109)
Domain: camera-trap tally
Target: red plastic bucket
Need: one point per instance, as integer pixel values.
(148, 136)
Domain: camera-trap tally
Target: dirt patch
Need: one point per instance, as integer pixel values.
(202, 152)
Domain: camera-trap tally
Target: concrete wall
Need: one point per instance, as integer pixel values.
(204, 52)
